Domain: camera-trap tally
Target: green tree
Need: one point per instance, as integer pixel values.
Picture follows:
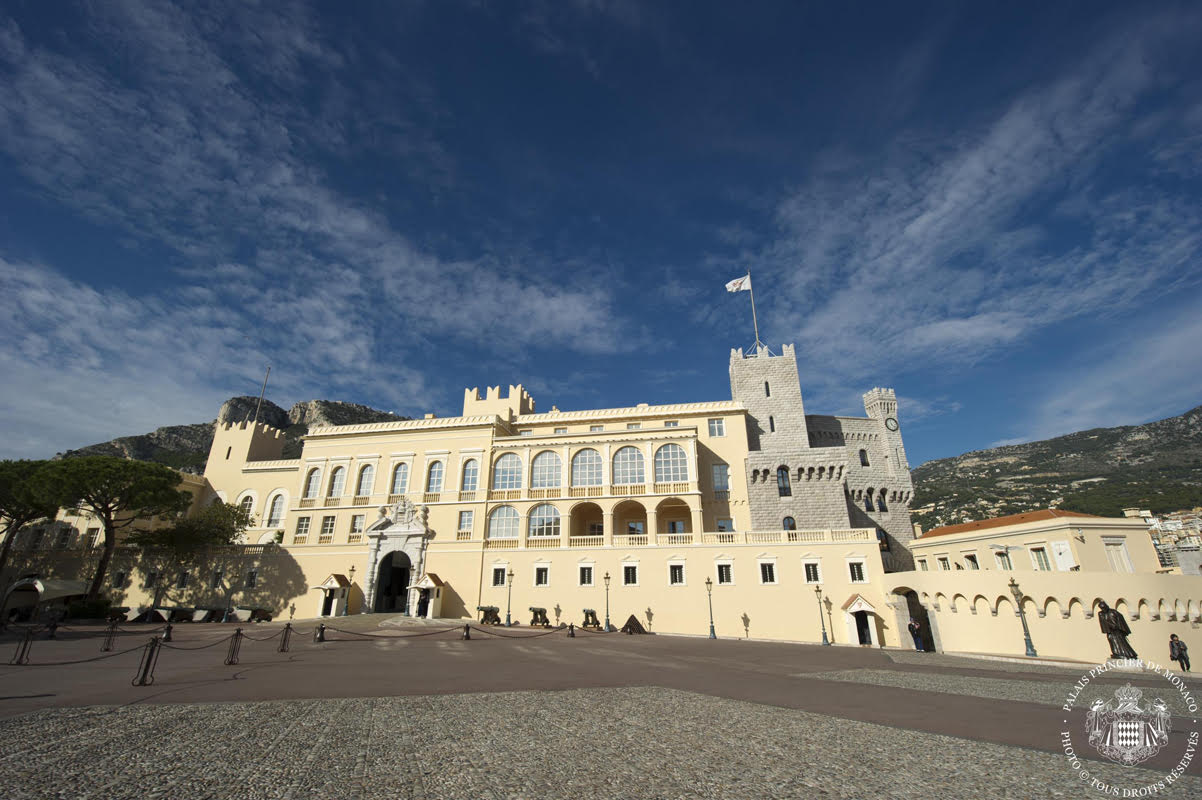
(22, 500)
(117, 491)
(216, 525)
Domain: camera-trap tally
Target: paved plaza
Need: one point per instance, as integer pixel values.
(529, 716)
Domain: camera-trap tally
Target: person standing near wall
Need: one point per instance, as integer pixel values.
(1179, 652)
(916, 632)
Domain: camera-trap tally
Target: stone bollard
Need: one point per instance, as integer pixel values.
(571, 631)
(467, 631)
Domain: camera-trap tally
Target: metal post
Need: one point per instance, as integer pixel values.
(231, 658)
(109, 636)
(509, 601)
(167, 633)
(22, 654)
(467, 631)
(607, 625)
(150, 657)
(571, 631)
(1022, 615)
(709, 591)
(319, 633)
(821, 621)
(284, 637)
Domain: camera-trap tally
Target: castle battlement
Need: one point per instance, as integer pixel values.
(517, 402)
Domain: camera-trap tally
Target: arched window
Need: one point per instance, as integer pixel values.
(507, 472)
(671, 464)
(367, 477)
(628, 466)
(880, 502)
(546, 470)
(789, 524)
(247, 505)
(783, 487)
(400, 479)
(503, 523)
(586, 468)
(337, 482)
(312, 481)
(434, 477)
(544, 521)
(863, 458)
(471, 476)
(276, 514)
(868, 500)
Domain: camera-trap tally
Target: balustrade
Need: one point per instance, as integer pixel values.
(586, 541)
(431, 497)
(500, 544)
(542, 542)
(361, 500)
(307, 502)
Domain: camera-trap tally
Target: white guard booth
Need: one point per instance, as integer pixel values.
(335, 591)
(429, 596)
(861, 620)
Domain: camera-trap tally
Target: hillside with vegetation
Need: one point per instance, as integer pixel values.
(186, 447)
(1157, 466)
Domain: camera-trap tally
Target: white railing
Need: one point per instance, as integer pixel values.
(361, 500)
(333, 501)
(681, 539)
(505, 494)
(542, 542)
(674, 538)
(463, 536)
(586, 491)
(467, 497)
(307, 502)
(726, 537)
(431, 497)
(673, 488)
(586, 541)
(546, 494)
(500, 544)
(630, 541)
(630, 489)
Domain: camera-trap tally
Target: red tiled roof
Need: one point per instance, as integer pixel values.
(1013, 519)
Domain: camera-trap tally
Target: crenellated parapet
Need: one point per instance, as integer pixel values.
(515, 403)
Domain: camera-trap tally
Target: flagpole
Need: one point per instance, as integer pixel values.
(268, 375)
(754, 321)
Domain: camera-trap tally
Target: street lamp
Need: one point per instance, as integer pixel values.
(606, 579)
(821, 621)
(509, 602)
(346, 605)
(1022, 615)
(709, 591)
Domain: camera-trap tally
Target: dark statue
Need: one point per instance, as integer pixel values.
(1116, 630)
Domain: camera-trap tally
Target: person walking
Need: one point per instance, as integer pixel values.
(916, 632)
(1179, 652)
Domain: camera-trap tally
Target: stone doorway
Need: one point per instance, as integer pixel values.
(392, 583)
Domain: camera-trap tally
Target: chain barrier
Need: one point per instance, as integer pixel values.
(590, 630)
(235, 646)
(383, 636)
(201, 647)
(81, 660)
(516, 636)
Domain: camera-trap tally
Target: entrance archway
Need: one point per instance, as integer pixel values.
(392, 583)
(909, 607)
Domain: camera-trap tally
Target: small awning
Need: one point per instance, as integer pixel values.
(857, 603)
(428, 581)
(335, 581)
(50, 589)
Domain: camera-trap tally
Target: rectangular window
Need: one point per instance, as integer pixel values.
(767, 572)
(635, 528)
(542, 576)
(671, 424)
(1003, 561)
(152, 578)
(717, 427)
(630, 575)
(595, 428)
(633, 426)
(93, 537)
(586, 576)
(944, 564)
(856, 571)
(922, 565)
(596, 529)
(357, 523)
(465, 521)
(218, 574)
(252, 579)
(181, 580)
(676, 526)
(118, 580)
(725, 524)
(971, 561)
(526, 433)
(725, 574)
(561, 430)
(1039, 558)
(302, 530)
(721, 474)
(812, 573)
(1116, 554)
(676, 574)
(327, 530)
(498, 576)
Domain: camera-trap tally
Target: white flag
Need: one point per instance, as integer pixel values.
(740, 284)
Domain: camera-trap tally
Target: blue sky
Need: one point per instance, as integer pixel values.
(995, 210)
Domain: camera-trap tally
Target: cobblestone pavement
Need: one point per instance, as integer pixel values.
(596, 743)
(1047, 692)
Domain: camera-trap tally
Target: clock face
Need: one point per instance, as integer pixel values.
(891, 423)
